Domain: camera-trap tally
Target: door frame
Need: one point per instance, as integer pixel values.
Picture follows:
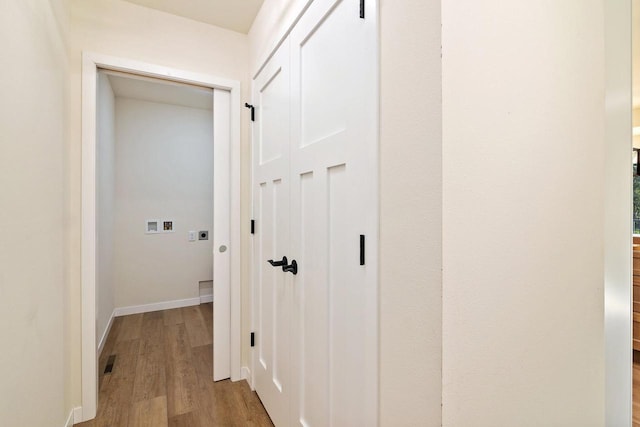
(91, 63)
(618, 208)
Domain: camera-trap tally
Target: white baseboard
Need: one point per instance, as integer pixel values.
(206, 298)
(206, 291)
(103, 339)
(164, 305)
(75, 416)
(69, 422)
(245, 374)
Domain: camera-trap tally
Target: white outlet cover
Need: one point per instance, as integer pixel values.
(152, 226)
(193, 236)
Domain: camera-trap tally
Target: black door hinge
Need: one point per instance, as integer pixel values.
(253, 339)
(362, 9)
(253, 226)
(362, 249)
(253, 111)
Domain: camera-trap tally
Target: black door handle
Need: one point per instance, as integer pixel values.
(292, 268)
(282, 263)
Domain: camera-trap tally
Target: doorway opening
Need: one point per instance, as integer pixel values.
(219, 235)
(154, 196)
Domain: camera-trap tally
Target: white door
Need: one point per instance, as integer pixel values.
(272, 317)
(333, 203)
(333, 187)
(221, 234)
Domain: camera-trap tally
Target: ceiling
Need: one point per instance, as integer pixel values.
(155, 90)
(235, 15)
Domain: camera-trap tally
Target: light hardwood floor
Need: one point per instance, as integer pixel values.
(162, 375)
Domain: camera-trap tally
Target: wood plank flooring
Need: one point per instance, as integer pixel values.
(162, 375)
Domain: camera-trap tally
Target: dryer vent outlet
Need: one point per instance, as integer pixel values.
(203, 235)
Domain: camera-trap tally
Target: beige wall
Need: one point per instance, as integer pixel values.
(410, 213)
(173, 146)
(634, 40)
(410, 200)
(523, 213)
(122, 29)
(636, 117)
(33, 119)
(636, 123)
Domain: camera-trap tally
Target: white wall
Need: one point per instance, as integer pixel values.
(410, 213)
(410, 200)
(523, 213)
(164, 170)
(105, 204)
(122, 29)
(33, 195)
(269, 27)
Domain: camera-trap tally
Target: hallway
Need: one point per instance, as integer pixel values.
(162, 375)
(492, 246)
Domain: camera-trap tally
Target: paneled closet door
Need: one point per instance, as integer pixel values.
(272, 293)
(334, 186)
(315, 192)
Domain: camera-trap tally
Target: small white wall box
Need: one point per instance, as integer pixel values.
(152, 226)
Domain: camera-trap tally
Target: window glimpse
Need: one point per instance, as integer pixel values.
(636, 193)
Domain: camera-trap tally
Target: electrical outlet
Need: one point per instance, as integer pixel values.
(193, 236)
